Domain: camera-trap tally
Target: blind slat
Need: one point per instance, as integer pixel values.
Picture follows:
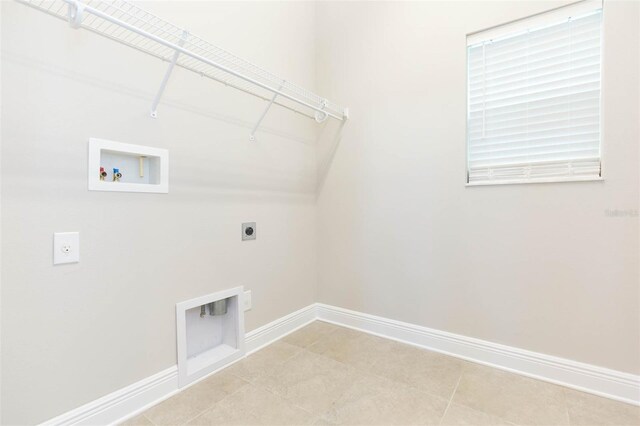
(550, 73)
(539, 141)
(567, 145)
(535, 86)
(552, 127)
(540, 156)
(526, 98)
(527, 55)
(541, 105)
(550, 114)
(548, 106)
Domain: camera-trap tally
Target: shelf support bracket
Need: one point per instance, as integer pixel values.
(74, 13)
(252, 136)
(321, 115)
(167, 74)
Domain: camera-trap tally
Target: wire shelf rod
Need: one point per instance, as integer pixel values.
(132, 26)
(173, 46)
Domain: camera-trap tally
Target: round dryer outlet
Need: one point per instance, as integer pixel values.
(249, 231)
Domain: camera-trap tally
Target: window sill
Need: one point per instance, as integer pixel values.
(536, 180)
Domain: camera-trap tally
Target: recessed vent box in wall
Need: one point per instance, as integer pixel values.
(210, 333)
(115, 166)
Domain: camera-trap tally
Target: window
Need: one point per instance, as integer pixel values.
(533, 112)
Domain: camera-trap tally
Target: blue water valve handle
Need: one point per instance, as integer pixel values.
(116, 174)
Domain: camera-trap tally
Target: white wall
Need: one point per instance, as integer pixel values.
(540, 266)
(73, 333)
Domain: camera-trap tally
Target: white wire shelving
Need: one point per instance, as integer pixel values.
(126, 23)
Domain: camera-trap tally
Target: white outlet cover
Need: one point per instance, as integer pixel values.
(247, 300)
(66, 247)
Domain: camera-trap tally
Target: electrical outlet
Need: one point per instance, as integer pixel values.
(66, 247)
(247, 300)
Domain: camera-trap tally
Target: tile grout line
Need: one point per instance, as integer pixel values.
(451, 399)
(150, 421)
(217, 402)
(566, 408)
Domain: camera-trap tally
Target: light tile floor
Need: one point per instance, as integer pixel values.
(327, 375)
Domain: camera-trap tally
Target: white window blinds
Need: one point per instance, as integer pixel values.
(534, 100)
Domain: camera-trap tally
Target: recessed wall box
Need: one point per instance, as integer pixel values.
(129, 168)
(210, 333)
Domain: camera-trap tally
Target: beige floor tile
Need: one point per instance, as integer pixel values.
(428, 371)
(459, 415)
(323, 422)
(224, 415)
(217, 386)
(263, 361)
(372, 400)
(266, 407)
(176, 410)
(194, 400)
(354, 348)
(516, 399)
(140, 420)
(309, 381)
(310, 334)
(591, 410)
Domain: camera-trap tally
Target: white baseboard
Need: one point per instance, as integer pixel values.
(269, 333)
(128, 402)
(585, 377)
(122, 403)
